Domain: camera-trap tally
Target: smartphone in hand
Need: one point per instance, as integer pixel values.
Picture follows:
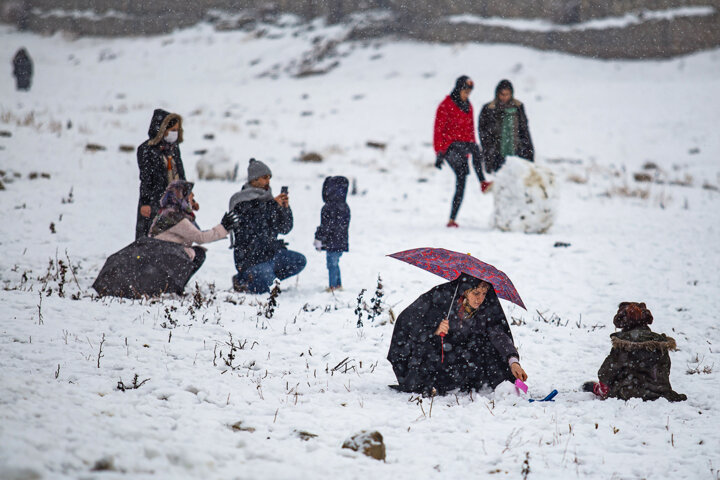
(284, 189)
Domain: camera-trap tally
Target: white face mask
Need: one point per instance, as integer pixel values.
(171, 136)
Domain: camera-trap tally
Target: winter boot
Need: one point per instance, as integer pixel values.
(485, 186)
(452, 224)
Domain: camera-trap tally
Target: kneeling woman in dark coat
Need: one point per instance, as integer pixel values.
(469, 348)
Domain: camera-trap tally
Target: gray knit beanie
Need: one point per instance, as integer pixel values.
(257, 169)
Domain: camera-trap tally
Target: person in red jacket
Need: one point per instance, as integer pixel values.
(454, 140)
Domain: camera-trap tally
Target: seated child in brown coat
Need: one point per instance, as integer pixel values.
(639, 364)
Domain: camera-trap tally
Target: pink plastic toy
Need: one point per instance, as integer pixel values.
(521, 385)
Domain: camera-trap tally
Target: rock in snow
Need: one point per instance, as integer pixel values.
(525, 197)
(369, 443)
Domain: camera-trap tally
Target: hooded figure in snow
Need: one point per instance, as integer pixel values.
(469, 349)
(332, 234)
(503, 129)
(160, 164)
(638, 365)
(22, 69)
(164, 261)
(175, 222)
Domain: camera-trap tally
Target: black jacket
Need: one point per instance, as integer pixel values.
(255, 236)
(22, 69)
(151, 158)
(152, 163)
(335, 215)
(476, 349)
(147, 266)
(490, 132)
(639, 366)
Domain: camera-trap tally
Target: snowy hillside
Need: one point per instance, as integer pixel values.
(229, 392)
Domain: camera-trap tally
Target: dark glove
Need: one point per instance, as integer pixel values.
(439, 160)
(229, 220)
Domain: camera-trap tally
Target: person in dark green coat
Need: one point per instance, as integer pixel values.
(503, 129)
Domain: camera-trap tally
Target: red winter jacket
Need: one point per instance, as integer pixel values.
(452, 125)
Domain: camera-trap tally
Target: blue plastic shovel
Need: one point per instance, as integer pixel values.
(549, 397)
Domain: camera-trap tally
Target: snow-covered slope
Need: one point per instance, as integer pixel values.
(595, 123)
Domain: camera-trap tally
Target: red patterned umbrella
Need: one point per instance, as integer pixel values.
(450, 265)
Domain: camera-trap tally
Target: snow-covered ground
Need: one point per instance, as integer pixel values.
(595, 123)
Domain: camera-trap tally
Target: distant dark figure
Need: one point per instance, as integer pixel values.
(639, 363)
(160, 164)
(22, 69)
(332, 234)
(503, 128)
(454, 140)
(454, 336)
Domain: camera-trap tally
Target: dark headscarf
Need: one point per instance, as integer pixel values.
(462, 83)
(174, 207)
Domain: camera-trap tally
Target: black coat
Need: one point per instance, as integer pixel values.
(146, 267)
(476, 349)
(152, 164)
(639, 366)
(255, 235)
(22, 69)
(335, 215)
(490, 132)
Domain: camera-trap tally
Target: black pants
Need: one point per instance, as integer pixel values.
(143, 224)
(456, 157)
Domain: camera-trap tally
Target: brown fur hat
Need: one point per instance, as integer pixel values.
(632, 315)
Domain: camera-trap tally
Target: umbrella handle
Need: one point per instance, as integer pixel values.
(442, 348)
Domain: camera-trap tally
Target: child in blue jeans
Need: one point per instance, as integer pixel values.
(332, 234)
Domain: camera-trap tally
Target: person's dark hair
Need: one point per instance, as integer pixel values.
(463, 83)
(482, 283)
(504, 84)
(632, 315)
(172, 123)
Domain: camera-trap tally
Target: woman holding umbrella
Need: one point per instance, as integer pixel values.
(454, 336)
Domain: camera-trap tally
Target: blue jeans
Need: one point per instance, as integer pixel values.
(333, 259)
(284, 264)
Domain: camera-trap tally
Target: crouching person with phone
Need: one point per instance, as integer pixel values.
(260, 257)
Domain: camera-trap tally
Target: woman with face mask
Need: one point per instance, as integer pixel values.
(160, 164)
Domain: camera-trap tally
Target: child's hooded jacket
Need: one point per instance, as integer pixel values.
(335, 215)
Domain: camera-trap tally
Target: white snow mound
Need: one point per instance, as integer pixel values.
(525, 197)
(216, 164)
